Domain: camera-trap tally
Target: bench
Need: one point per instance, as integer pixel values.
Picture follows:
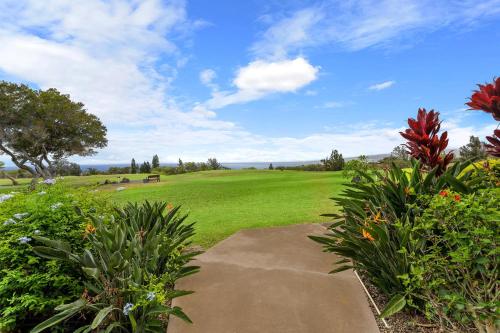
(152, 178)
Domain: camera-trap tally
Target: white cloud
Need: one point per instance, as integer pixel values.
(260, 78)
(382, 85)
(333, 105)
(360, 24)
(207, 76)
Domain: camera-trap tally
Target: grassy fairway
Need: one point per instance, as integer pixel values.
(223, 202)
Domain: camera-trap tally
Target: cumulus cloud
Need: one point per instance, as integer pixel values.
(382, 85)
(260, 78)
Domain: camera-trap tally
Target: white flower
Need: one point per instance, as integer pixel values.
(49, 181)
(150, 296)
(37, 232)
(42, 193)
(56, 205)
(121, 188)
(9, 221)
(24, 240)
(21, 216)
(4, 197)
(127, 308)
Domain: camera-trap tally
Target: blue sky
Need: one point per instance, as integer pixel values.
(256, 80)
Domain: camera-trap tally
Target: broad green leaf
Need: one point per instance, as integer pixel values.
(101, 315)
(396, 304)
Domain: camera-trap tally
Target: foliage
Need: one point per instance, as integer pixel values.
(145, 167)
(133, 166)
(399, 152)
(64, 168)
(303, 167)
(271, 166)
(353, 168)
(37, 126)
(487, 99)
(474, 150)
(130, 269)
(424, 143)
(213, 164)
(155, 163)
(31, 287)
(334, 162)
(118, 170)
(456, 274)
(374, 228)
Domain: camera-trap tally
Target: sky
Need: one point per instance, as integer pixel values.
(256, 80)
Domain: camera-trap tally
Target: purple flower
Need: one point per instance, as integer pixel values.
(24, 240)
(127, 308)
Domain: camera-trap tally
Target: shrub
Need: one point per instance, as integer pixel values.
(130, 269)
(456, 273)
(31, 287)
(373, 231)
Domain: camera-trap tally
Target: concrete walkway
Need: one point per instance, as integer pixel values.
(272, 280)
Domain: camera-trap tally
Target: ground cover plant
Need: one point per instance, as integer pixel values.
(31, 287)
(130, 267)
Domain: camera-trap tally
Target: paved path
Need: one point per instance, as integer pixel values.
(272, 280)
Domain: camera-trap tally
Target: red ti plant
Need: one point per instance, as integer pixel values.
(487, 99)
(424, 142)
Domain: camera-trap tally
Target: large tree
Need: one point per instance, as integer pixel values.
(38, 127)
(334, 162)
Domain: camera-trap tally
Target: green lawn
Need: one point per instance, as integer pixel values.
(223, 202)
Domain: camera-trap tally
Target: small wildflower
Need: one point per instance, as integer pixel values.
(5, 197)
(127, 308)
(150, 296)
(42, 193)
(367, 235)
(376, 218)
(49, 181)
(56, 206)
(407, 190)
(89, 229)
(24, 240)
(170, 206)
(121, 188)
(21, 216)
(9, 221)
(443, 193)
(37, 232)
(456, 198)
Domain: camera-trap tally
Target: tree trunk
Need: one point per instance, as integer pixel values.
(12, 179)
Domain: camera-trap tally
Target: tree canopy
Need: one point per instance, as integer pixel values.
(334, 162)
(40, 126)
(475, 149)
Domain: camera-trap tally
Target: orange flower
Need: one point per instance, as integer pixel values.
(367, 235)
(170, 206)
(376, 218)
(443, 194)
(89, 229)
(456, 197)
(407, 190)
